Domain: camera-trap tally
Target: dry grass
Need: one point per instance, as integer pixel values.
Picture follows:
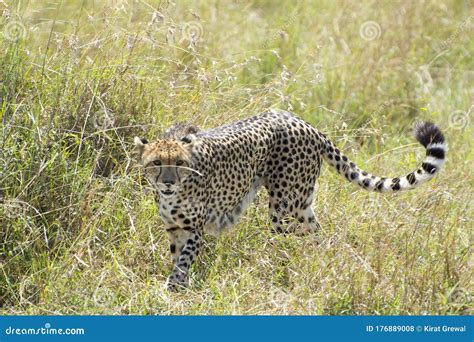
(79, 233)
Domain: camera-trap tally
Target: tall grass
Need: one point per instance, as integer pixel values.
(80, 234)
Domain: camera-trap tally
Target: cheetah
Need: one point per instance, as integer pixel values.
(205, 179)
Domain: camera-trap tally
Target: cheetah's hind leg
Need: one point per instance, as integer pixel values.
(292, 214)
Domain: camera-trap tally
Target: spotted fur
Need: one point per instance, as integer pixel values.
(205, 181)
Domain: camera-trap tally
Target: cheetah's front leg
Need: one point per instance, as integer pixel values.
(177, 237)
(185, 247)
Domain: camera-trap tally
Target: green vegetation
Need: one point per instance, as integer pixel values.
(80, 233)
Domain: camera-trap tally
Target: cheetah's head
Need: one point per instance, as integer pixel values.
(166, 162)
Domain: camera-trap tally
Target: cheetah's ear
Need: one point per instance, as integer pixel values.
(140, 144)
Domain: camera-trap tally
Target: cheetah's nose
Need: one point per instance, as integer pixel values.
(169, 183)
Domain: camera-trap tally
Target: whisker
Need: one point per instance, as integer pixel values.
(182, 167)
(190, 169)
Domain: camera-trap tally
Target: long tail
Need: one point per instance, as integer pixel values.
(427, 134)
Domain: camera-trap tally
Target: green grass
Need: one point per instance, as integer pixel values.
(81, 235)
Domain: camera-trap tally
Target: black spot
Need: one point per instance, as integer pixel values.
(430, 168)
(396, 187)
(366, 182)
(186, 140)
(411, 178)
(344, 158)
(379, 184)
(279, 230)
(172, 248)
(435, 152)
(354, 175)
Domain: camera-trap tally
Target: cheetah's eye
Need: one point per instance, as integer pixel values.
(179, 162)
(157, 162)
